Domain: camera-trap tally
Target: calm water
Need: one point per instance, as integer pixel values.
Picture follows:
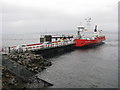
(81, 68)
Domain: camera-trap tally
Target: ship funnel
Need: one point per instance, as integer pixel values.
(95, 30)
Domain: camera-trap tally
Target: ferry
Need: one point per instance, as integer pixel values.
(95, 39)
(55, 41)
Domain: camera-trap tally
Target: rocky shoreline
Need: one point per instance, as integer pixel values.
(15, 69)
(33, 62)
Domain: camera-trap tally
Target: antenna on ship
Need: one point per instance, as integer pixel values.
(88, 20)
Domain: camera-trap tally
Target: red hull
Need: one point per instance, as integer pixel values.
(84, 42)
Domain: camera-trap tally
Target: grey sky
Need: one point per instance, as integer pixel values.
(27, 16)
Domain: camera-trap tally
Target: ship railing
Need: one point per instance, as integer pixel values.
(52, 45)
(18, 49)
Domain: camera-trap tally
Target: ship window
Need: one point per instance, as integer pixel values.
(23, 45)
(81, 27)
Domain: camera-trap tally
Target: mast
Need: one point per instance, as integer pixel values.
(79, 34)
(88, 21)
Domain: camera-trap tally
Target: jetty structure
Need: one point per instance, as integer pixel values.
(23, 62)
(48, 44)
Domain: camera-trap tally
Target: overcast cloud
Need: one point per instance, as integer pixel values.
(27, 16)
